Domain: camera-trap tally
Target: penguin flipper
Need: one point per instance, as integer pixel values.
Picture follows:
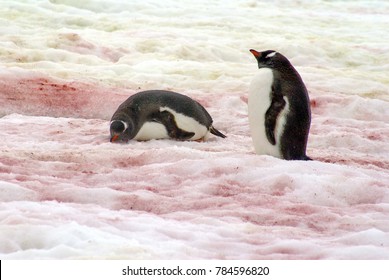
(177, 133)
(276, 106)
(168, 120)
(216, 132)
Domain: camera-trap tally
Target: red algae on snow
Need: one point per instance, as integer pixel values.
(45, 96)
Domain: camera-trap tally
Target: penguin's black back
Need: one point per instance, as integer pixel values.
(150, 101)
(295, 135)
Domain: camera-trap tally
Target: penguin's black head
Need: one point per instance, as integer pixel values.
(119, 130)
(270, 59)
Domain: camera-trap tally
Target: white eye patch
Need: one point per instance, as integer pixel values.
(124, 123)
(271, 54)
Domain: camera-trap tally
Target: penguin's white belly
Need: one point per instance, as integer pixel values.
(151, 130)
(188, 124)
(258, 103)
(156, 130)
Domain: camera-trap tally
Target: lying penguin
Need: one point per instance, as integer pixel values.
(160, 114)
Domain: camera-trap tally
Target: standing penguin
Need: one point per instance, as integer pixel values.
(279, 108)
(158, 114)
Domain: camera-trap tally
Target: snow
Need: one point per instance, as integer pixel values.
(66, 192)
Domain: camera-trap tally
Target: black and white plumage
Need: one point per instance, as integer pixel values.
(159, 114)
(279, 108)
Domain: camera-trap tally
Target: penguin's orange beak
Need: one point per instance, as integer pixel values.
(114, 138)
(255, 53)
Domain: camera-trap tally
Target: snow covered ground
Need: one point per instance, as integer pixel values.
(66, 192)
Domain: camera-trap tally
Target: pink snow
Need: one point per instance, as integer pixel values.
(68, 192)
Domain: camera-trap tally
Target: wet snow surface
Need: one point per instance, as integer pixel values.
(67, 192)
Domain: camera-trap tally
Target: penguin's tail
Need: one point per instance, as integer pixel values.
(216, 132)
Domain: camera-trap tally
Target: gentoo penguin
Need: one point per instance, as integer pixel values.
(278, 107)
(158, 114)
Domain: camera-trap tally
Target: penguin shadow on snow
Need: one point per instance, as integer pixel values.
(278, 111)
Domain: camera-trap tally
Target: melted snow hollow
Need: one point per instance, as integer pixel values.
(66, 192)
